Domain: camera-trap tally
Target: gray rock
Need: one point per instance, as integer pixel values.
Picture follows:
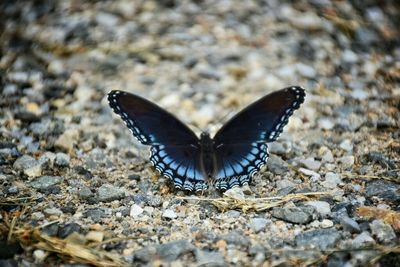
(109, 192)
(349, 56)
(52, 211)
(235, 238)
(322, 207)
(311, 163)
(28, 165)
(154, 201)
(13, 190)
(326, 123)
(68, 229)
(169, 214)
(331, 180)
(45, 182)
(382, 231)
(166, 252)
(62, 160)
(280, 148)
(346, 145)
(258, 224)
(232, 214)
(306, 70)
(299, 215)
(277, 165)
(320, 238)
(208, 258)
(349, 224)
(362, 240)
(383, 189)
(85, 193)
(95, 214)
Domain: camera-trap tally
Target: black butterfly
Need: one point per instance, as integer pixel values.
(237, 151)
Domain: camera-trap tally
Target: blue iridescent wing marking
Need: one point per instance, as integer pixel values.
(174, 147)
(181, 164)
(240, 145)
(236, 164)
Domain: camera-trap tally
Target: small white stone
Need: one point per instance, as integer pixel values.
(39, 255)
(169, 214)
(346, 145)
(326, 223)
(135, 211)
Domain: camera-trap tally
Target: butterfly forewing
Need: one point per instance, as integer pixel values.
(262, 121)
(149, 123)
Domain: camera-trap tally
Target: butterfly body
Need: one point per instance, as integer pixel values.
(231, 158)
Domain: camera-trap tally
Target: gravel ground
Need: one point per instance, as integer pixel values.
(70, 169)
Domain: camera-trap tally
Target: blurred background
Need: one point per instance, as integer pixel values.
(203, 61)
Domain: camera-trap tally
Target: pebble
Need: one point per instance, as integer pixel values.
(29, 166)
(67, 140)
(258, 224)
(277, 165)
(135, 211)
(311, 163)
(331, 180)
(383, 189)
(349, 56)
(346, 145)
(322, 207)
(45, 182)
(314, 175)
(96, 214)
(39, 255)
(326, 123)
(209, 258)
(62, 160)
(383, 232)
(362, 240)
(85, 193)
(349, 224)
(107, 193)
(68, 229)
(299, 215)
(235, 238)
(169, 251)
(169, 214)
(347, 162)
(52, 211)
(319, 238)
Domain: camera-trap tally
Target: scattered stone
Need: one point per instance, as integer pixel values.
(347, 162)
(326, 123)
(85, 193)
(39, 255)
(52, 211)
(45, 182)
(68, 229)
(314, 175)
(62, 160)
(235, 238)
(209, 258)
(96, 214)
(311, 163)
(277, 165)
(331, 180)
(320, 238)
(299, 215)
(322, 207)
(135, 211)
(107, 193)
(258, 224)
(363, 240)
(349, 224)
(155, 201)
(346, 145)
(95, 236)
(166, 252)
(169, 214)
(67, 140)
(383, 189)
(29, 166)
(383, 231)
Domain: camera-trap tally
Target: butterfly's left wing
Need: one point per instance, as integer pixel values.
(175, 152)
(240, 145)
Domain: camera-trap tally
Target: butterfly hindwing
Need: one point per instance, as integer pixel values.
(236, 164)
(262, 121)
(181, 164)
(149, 123)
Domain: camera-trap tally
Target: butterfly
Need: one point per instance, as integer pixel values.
(231, 158)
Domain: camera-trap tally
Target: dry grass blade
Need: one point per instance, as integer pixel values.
(232, 201)
(77, 251)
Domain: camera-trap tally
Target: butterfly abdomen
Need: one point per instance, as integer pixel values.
(207, 154)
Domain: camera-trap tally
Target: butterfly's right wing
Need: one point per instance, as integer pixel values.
(175, 151)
